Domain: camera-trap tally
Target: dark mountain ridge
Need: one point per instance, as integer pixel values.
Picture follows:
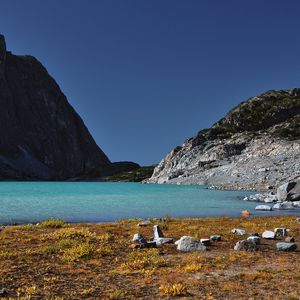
(42, 136)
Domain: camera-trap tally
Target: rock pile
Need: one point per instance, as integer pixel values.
(188, 243)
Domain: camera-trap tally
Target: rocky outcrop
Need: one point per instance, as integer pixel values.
(42, 137)
(255, 146)
(289, 191)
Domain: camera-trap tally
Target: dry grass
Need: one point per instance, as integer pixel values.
(54, 260)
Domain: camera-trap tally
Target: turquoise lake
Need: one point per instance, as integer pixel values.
(26, 202)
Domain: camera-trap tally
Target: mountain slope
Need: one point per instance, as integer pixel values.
(255, 146)
(42, 137)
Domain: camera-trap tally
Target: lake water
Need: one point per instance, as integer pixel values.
(26, 202)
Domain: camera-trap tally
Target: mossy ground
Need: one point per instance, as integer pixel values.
(137, 175)
(54, 260)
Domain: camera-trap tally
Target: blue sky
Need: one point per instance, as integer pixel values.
(146, 75)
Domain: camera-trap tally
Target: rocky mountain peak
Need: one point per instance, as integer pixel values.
(256, 144)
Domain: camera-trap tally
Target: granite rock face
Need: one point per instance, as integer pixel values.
(255, 146)
(42, 137)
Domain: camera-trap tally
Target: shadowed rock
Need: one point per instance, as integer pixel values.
(245, 246)
(254, 239)
(42, 137)
(159, 238)
(286, 246)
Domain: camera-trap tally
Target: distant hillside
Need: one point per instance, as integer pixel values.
(136, 175)
(256, 145)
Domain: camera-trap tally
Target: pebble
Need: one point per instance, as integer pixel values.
(3, 292)
(238, 231)
(263, 207)
(289, 239)
(245, 246)
(268, 234)
(254, 239)
(286, 246)
(215, 238)
(144, 223)
(253, 234)
(280, 232)
(205, 242)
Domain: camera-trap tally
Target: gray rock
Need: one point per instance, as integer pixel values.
(289, 239)
(157, 232)
(289, 191)
(296, 203)
(215, 238)
(3, 292)
(140, 242)
(138, 238)
(205, 242)
(159, 238)
(245, 246)
(297, 219)
(268, 234)
(254, 239)
(282, 246)
(187, 244)
(280, 232)
(238, 231)
(263, 207)
(160, 241)
(283, 206)
(253, 234)
(144, 223)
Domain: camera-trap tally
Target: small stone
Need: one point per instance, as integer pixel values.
(138, 238)
(215, 238)
(159, 238)
(3, 292)
(205, 242)
(263, 207)
(268, 234)
(144, 223)
(289, 239)
(297, 219)
(254, 239)
(188, 243)
(286, 246)
(245, 246)
(157, 232)
(280, 232)
(284, 206)
(140, 242)
(253, 234)
(160, 241)
(238, 231)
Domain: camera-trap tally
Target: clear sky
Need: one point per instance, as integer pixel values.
(147, 74)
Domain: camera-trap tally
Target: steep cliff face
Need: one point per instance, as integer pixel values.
(256, 145)
(41, 136)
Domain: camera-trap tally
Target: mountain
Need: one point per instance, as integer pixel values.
(42, 137)
(255, 146)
